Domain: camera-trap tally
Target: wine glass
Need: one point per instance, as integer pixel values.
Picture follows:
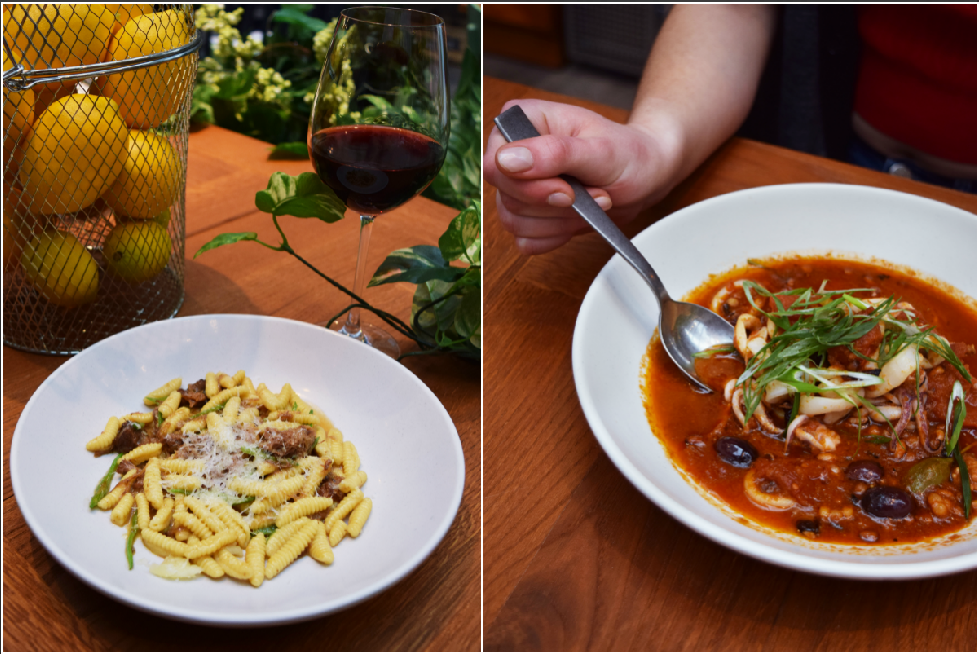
(380, 124)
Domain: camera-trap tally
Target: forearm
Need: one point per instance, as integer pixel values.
(701, 78)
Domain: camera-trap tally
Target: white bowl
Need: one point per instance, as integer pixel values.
(406, 440)
(619, 314)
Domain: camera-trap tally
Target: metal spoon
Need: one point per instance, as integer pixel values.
(684, 328)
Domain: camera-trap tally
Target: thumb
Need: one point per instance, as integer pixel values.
(594, 160)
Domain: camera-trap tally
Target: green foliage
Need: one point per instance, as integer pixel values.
(266, 90)
(458, 182)
(305, 196)
(446, 311)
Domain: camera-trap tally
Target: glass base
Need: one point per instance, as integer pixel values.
(372, 335)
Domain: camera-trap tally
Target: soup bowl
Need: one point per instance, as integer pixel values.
(619, 315)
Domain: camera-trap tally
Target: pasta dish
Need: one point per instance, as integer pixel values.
(224, 478)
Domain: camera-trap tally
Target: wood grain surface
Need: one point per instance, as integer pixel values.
(437, 607)
(575, 557)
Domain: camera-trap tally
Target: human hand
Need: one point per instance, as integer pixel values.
(626, 168)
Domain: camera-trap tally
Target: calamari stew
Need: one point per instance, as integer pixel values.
(845, 411)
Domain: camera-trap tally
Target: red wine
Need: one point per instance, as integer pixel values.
(375, 168)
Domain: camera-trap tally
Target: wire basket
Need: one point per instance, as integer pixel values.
(96, 109)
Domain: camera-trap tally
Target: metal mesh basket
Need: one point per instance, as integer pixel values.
(96, 108)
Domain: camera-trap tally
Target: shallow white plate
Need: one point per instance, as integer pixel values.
(407, 443)
(619, 314)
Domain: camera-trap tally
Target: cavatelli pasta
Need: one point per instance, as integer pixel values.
(337, 532)
(230, 413)
(221, 398)
(358, 517)
(122, 510)
(103, 441)
(142, 511)
(181, 466)
(211, 385)
(320, 548)
(212, 499)
(120, 489)
(290, 550)
(170, 404)
(279, 494)
(344, 508)
(160, 394)
(353, 482)
(255, 559)
(162, 517)
(203, 513)
(315, 476)
(301, 508)
(163, 543)
(143, 418)
(143, 453)
(282, 535)
(232, 565)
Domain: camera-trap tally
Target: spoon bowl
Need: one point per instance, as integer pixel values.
(684, 328)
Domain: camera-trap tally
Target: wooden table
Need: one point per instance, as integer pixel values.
(574, 556)
(437, 606)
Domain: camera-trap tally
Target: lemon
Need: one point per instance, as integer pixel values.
(164, 218)
(148, 96)
(125, 13)
(47, 93)
(46, 36)
(18, 118)
(150, 177)
(74, 155)
(61, 269)
(139, 251)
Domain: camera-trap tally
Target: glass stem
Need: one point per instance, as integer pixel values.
(352, 326)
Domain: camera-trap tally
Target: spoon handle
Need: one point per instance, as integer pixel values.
(515, 126)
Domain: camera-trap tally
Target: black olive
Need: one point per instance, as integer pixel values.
(887, 502)
(869, 472)
(807, 526)
(736, 451)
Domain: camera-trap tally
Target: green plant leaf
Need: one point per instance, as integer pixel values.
(226, 239)
(461, 241)
(417, 264)
(468, 317)
(236, 85)
(296, 15)
(290, 150)
(305, 196)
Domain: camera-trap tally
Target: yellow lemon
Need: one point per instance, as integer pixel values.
(150, 178)
(75, 153)
(47, 36)
(149, 96)
(164, 218)
(61, 269)
(139, 251)
(18, 117)
(46, 94)
(125, 13)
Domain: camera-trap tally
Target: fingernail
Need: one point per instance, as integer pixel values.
(559, 200)
(515, 160)
(604, 201)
